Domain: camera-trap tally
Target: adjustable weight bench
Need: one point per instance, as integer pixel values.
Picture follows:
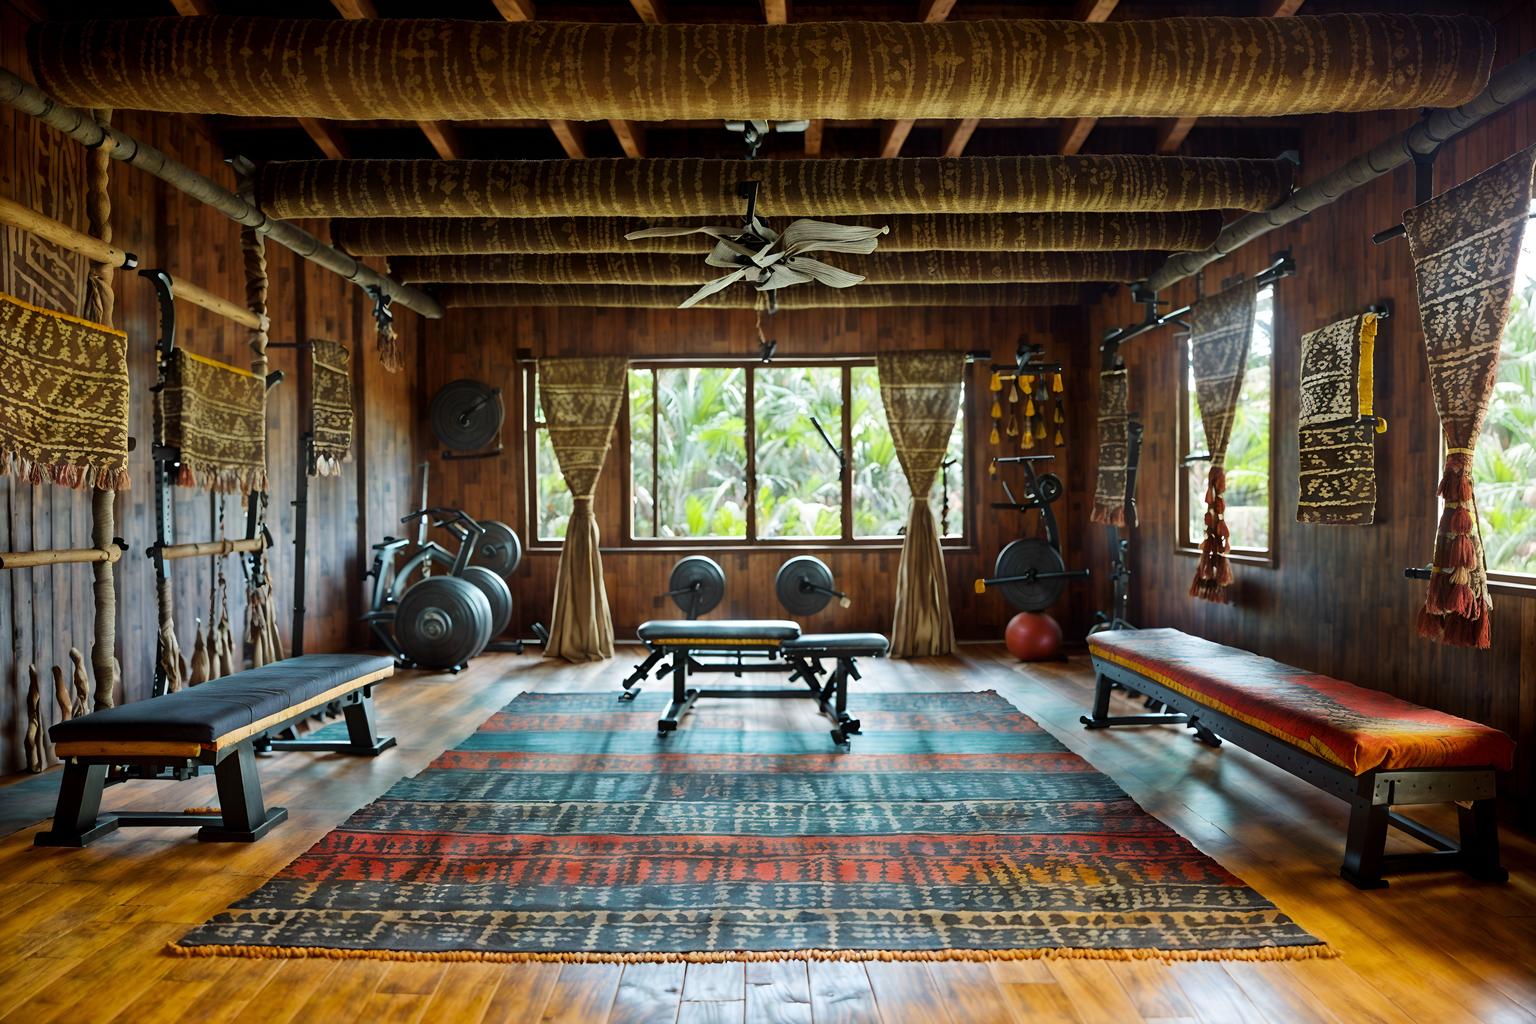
(218, 724)
(1368, 748)
(768, 645)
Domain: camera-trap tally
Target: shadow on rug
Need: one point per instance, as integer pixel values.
(563, 829)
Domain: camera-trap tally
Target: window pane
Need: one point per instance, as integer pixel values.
(880, 493)
(799, 493)
(1247, 492)
(553, 498)
(642, 443)
(701, 458)
(1504, 467)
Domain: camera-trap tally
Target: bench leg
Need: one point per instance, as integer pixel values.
(1366, 843)
(641, 671)
(362, 733)
(682, 697)
(246, 818)
(1480, 841)
(75, 816)
(1100, 718)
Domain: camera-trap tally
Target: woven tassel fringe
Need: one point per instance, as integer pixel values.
(391, 352)
(327, 465)
(221, 480)
(1455, 611)
(1108, 514)
(1213, 573)
(15, 464)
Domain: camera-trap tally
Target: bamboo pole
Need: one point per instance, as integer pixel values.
(186, 291)
(15, 215)
(82, 127)
(58, 556)
(172, 552)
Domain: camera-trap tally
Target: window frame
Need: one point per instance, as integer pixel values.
(1184, 544)
(622, 449)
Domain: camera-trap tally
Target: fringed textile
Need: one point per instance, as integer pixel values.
(330, 391)
(419, 69)
(1112, 491)
(216, 415)
(1221, 331)
(824, 189)
(876, 269)
(1337, 425)
(1001, 232)
(921, 395)
(581, 399)
(465, 296)
(63, 398)
(1465, 245)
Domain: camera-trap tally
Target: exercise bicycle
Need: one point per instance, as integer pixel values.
(1030, 571)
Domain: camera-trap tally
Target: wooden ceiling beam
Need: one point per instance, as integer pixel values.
(893, 135)
(650, 11)
(515, 10)
(323, 134)
(1096, 10)
(444, 138)
(1074, 133)
(570, 135)
(958, 135)
(355, 10)
(776, 12)
(813, 132)
(193, 8)
(934, 10)
(1282, 8)
(631, 138)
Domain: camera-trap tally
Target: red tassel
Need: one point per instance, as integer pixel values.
(1460, 553)
(1459, 520)
(1429, 624)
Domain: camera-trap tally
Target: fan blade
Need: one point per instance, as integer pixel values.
(715, 231)
(815, 235)
(782, 276)
(711, 287)
(827, 274)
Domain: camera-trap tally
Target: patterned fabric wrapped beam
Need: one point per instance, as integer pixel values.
(790, 188)
(461, 70)
(1010, 232)
(879, 268)
(807, 296)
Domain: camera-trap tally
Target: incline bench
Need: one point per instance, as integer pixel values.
(1368, 748)
(219, 723)
(763, 641)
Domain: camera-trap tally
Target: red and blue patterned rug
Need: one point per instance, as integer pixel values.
(563, 829)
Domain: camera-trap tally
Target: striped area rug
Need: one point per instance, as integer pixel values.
(563, 829)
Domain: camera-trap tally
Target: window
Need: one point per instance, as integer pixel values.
(1504, 467)
(736, 453)
(1249, 506)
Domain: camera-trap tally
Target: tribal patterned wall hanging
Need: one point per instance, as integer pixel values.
(463, 70)
(216, 416)
(1465, 245)
(662, 187)
(1000, 232)
(47, 179)
(63, 398)
(1221, 332)
(1112, 490)
(1338, 424)
(330, 397)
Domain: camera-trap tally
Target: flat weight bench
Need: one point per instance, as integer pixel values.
(217, 724)
(769, 645)
(1368, 748)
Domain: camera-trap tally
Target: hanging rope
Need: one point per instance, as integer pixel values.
(99, 302)
(253, 248)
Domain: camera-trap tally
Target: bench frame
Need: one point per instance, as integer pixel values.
(830, 696)
(242, 817)
(1370, 795)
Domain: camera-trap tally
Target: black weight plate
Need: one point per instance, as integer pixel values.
(796, 598)
(1019, 558)
(1050, 487)
(704, 571)
(499, 550)
(442, 622)
(466, 415)
(496, 592)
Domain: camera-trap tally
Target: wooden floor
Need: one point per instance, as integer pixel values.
(82, 931)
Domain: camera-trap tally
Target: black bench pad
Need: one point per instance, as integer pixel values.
(727, 632)
(833, 644)
(202, 714)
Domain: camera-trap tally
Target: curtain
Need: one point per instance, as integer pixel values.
(921, 394)
(1112, 492)
(581, 399)
(1221, 331)
(1465, 245)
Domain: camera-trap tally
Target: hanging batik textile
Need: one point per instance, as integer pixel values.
(1221, 331)
(330, 394)
(216, 417)
(1465, 245)
(1111, 494)
(1338, 424)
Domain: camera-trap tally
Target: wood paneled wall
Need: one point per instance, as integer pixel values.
(1335, 600)
(45, 611)
(481, 343)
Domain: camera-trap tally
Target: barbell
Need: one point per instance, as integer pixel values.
(1030, 573)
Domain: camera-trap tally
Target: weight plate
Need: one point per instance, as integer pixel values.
(796, 582)
(1021, 557)
(466, 415)
(1050, 487)
(496, 592)
(499, 549)
(709, 577)
(442, 622)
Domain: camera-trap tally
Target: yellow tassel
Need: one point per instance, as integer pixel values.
(997, 409)
(1059, 417)
(1028, 439)
(1059, 439)
(992, 466)
(1029, 408)
(1040, 428)
(1381, 424)
(1013, 427)
(1056, 383)
(997, 382)
(995, 438)
(1013, 394)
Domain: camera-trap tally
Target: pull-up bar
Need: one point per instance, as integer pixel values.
(1283, 266)
(61, 556)
(199, 549)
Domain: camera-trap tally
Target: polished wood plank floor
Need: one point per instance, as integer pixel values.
(82, 931)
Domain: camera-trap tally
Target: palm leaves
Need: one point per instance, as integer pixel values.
(1505, 464)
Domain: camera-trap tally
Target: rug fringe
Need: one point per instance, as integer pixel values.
(1320, 951)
